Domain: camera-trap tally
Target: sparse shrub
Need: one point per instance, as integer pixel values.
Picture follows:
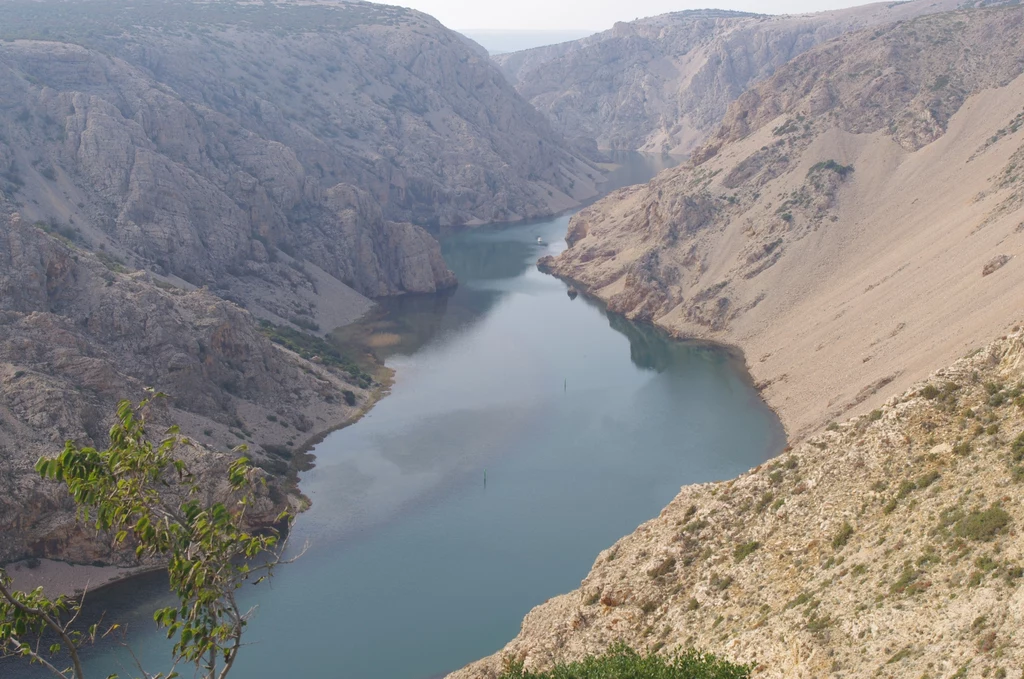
(949, 516)
(982, 525)
(350, 397)
(662, 569)
(720, 583)
(817, 623)
(906, 488)
(899, 655)
(907, 578)
(622, 661)
(832, 166)
(746, 549)
(1017, 449)
(695, 526)
(843, 536)
(800, 600)
(305, 324)
(987, 642)
(927, 480)
(874, 415)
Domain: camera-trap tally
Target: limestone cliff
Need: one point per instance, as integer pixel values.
(886, 546)
(853, 224)
(231, 144)
(162, 160)
(78, 333)
(663, 83)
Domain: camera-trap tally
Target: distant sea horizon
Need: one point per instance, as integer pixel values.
(498, 41)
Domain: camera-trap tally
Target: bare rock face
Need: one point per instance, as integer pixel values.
(230, 144)
(817, 226)
(76, 337)
(662, 84)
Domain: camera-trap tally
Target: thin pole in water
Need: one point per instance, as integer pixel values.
(485, 478)
(565, 386)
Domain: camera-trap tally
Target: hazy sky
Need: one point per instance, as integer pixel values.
(588, 14)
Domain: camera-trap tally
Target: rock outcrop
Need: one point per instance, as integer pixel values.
(839, 224)
(77, 335)
(886, 546)
(662, 84)
(228, 144)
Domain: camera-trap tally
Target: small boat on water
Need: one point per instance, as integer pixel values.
(540, 241)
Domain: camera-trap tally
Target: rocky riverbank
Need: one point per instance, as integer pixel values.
(814, 231)
(885, 546)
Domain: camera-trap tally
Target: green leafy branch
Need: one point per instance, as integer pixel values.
(144, 496)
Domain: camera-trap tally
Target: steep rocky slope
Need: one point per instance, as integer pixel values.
(662, 84)
(230, 144)
(77, 335)
(887, 546)
(853, 224)
(163, 159)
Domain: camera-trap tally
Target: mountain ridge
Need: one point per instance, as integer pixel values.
(663, 83)
(782, 220)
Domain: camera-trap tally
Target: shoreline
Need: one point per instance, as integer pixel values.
(733, 352)
(62, 578)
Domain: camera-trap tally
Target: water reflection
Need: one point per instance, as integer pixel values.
(482, 259)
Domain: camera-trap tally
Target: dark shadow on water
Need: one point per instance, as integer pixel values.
(481, 259)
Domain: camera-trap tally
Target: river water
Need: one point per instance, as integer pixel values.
(525, 432)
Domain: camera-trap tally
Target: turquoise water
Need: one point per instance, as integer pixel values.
(585, 425)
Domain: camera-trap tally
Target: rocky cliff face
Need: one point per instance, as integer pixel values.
(886, 546)
(814, 228)
(662, 84)
(77, 335)
(229, 144)
(161, 160)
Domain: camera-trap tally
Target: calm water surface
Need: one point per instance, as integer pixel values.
(584, 426)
